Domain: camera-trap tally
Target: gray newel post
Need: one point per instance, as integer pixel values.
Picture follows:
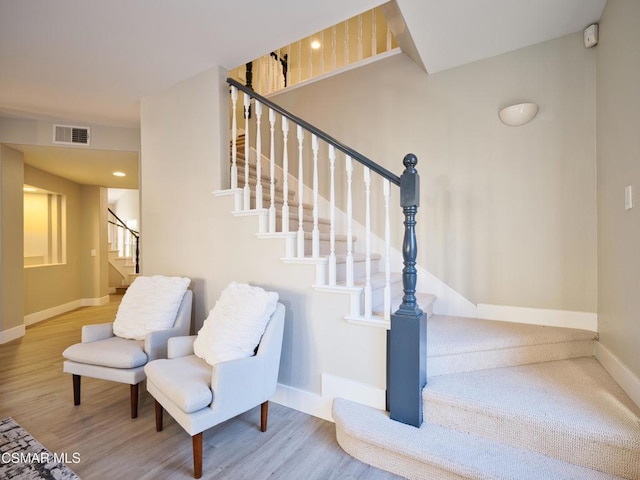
(407, 340)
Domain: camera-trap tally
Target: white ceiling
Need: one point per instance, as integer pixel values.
(449, 33)
(92, 61)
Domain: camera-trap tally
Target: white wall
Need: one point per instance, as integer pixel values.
(508, 215)
(184, 134)
(619, 166)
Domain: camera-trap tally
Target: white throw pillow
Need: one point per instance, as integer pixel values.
(236, 323)
(150, 304)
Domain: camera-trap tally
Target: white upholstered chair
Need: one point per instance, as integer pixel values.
(199, 396)
(101, 354)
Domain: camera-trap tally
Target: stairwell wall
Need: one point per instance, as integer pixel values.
(508, 215)
(618, 121)
(184, 158)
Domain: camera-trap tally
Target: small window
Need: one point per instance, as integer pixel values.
(44, 227)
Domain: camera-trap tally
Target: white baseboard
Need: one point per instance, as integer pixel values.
(332, 387)
(64, 308)
(539, 316)
(619, 371)
(12, 334)
(303, 401)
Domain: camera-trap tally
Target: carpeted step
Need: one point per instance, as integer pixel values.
(571, 410)
(435, 452)
(457, 344)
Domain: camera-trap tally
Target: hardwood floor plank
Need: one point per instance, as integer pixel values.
(39, 396)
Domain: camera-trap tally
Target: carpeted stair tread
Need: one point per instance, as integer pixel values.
(569, 409)
(448, 335)
(433, 451)
(456, 344)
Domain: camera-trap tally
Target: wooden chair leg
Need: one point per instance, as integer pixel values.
(197, 455)
(264, 413)
(76, 389)
(134, 400)
(159, 411)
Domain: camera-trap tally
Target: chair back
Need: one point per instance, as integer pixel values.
(270, 347)
(183, 317)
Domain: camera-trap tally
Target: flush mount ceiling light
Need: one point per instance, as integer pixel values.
(518, 114)
(119, 174)
(315, 44)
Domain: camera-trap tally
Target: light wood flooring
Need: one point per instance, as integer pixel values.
(35, 392)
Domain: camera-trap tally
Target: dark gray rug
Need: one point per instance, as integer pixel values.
(22, 457)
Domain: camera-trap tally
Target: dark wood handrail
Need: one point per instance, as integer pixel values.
(380, 170)
(120, 223)
(135, 234)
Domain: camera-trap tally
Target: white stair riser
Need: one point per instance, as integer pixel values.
(359, 269)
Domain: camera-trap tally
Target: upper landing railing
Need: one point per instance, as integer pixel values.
(406, 371)
(347, 43)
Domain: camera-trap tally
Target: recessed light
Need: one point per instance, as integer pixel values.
(119, 174)
(315, 44)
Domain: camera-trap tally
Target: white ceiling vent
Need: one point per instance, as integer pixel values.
(69, 135)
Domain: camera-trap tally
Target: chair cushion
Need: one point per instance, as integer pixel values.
(186, 381)
(150, 304)
(235, 324)
(112, 352)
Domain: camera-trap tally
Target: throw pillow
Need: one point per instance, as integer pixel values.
(150, 304)
(236, 323)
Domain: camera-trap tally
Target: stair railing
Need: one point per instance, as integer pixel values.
(406, 356)
(124, 239)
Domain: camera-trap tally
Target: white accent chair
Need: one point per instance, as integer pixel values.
(199, 396)
(103, 355)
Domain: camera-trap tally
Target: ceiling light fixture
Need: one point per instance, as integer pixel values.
(315, 44)
(518, 114)
(119, 174)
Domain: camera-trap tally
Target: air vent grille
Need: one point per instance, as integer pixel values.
(69, 135)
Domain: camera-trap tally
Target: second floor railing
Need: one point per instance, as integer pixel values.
(356, 39)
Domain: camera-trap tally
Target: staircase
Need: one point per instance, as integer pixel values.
(125, 268)
(377, 280)
(504, 401)
(122, 248)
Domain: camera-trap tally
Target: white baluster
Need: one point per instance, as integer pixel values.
(346, 43)
(349, 260)
(258, 106)
(299, 61)
(374, 39)
(368, 301)
(332, 207)
(300, 135)
(272, 172)
(234, 137)
(315, 236)
(334, 60)
(321, 52)
(268, 64)
(287, 77)
(285, 174)
(387, 247)
(310, 67)
(247, 190)
(359, 37)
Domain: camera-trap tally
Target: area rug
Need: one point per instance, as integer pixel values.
(22, 457)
